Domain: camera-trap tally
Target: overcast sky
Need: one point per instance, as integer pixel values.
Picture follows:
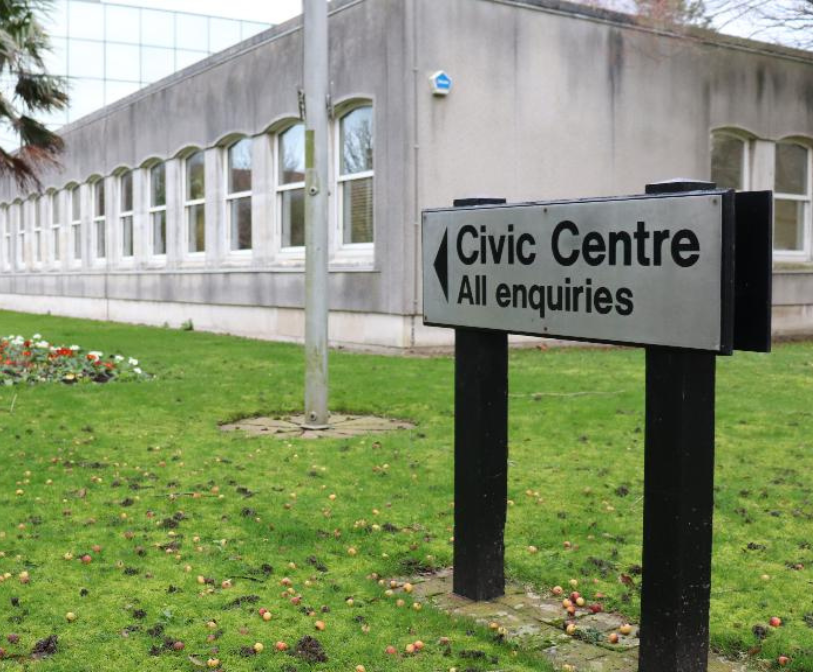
(267, 11)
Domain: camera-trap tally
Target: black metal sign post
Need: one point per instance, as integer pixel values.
(495, 269)
(480, 457)
(678, 502)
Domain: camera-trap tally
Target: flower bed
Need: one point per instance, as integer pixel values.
(35, 360)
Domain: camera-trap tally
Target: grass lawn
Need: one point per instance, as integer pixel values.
(142, 471)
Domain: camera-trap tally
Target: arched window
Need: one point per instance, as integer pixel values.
(356, 139)
(195, 202)
(5, 237)
(238, 195)
(19, 227)
(792, 198)
(158, 208)
(75, 194)
(99, 229)
(126, 213)
(291, 185)
(36, 226)
(56, 226)
(729, 160)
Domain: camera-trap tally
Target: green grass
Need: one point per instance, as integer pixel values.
(576, 462)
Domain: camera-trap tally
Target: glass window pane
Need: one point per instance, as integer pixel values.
(240, 219)
(357, 141)
(126, 186)
(87, 95)
(357, 202)
(86, 58)
(76, 204)
(789, 220)
(158, 186)
(159, 232)
(292, 155)
(122, 62)
(157, 28)
(240, 166)
(195, 177)
(100, 240)
(184, 58)
(123, 24)
(56, 210)
(293, 218)
(223, 33)
(127, 236)
(55, 19)
(86, 19)
(55, 245)
(55, 59)
(727, 154)
(791, 168)
(156, 64)
(196, 223)
(191, 32)
(77, 242)
(98, 198)
(114, 90)
(250, 28)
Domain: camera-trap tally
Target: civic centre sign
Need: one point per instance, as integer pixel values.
(683, 270)
(646, 270)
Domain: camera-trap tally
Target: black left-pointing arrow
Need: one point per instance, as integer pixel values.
(442, 264)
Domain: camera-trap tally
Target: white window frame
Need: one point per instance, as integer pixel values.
(55, 217)
(806, 199)
(75, 242)
(153, 210)
(188, 204)
(36, 233)
(230, 197)
(125, 214)
(98, 222)
(20, 233)
(351, 252)
(5, 238)
(286, 252)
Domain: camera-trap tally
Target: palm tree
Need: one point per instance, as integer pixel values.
(31, 91)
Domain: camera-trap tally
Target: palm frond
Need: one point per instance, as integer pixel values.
(42, 92)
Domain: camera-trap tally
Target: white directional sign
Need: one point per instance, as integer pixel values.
(649, 270)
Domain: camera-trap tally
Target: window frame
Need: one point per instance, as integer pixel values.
(188, 204)
(805, 199)
(36, 232)
(153, 210)
(230, 197)
(75, 243)
(294, 251)
(123, 215)
(55, 227)
(19, 253)
(98, 221)
(5, 237)
(351, 251)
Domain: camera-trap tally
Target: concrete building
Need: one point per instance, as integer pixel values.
(183, 201)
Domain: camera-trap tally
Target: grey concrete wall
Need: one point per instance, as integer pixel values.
(555, 105)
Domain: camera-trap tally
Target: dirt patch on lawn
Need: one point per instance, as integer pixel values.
(293, 427)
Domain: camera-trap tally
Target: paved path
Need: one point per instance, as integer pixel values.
(537, 623)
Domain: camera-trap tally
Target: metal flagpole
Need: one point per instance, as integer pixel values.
(316, 213)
